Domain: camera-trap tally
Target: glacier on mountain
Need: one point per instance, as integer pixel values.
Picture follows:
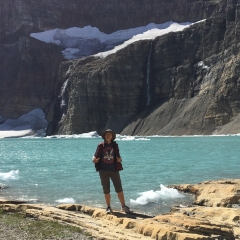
(81, 42)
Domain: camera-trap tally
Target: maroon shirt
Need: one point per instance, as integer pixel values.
(108, 154)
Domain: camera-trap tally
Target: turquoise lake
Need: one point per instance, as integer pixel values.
(60, 170)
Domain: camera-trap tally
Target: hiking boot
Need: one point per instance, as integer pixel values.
(109, 210)
(126, 209)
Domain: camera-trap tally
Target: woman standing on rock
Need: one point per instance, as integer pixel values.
(107, 161)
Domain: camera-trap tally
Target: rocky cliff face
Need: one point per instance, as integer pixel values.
(108, 16)
(195, 80)
(193, 85)
(28, 76)
(180, 83)
(196, 91)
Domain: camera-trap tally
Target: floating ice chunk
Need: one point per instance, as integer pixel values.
(142, 139)
(66, 200)
(146, 197)
(90, 134)
(26, 199)
(155, 196)
(83, 135)
(169, 192)
(13, 174)
(128, 138)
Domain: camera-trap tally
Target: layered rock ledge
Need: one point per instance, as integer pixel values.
(215, 214)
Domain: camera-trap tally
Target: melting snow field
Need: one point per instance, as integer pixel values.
(19, 133)
(33, 123)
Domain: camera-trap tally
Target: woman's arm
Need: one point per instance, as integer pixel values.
(117, 153)
(98, 153)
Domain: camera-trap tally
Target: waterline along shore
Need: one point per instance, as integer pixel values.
(56, 171)
(214, 214)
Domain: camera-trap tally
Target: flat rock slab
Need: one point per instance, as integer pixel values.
(218, 193)
(182, 223)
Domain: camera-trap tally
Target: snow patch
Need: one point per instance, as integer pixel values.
(33, 123)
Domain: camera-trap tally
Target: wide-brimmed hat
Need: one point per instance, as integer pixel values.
(109, 131)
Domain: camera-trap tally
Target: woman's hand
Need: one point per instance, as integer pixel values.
(95, 160)
(119, 159)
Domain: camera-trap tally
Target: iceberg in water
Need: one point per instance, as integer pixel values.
(14, 174)
(92, 134)
(155, 196)
(66, 200)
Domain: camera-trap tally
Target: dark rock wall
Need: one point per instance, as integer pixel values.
(194, 83)
(107, 15)
(105, 88)
(29, 68)
(29, 77)
(199, 85)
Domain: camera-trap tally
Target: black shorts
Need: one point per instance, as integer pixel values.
(105, 177)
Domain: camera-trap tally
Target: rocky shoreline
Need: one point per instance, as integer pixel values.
(215, 214)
